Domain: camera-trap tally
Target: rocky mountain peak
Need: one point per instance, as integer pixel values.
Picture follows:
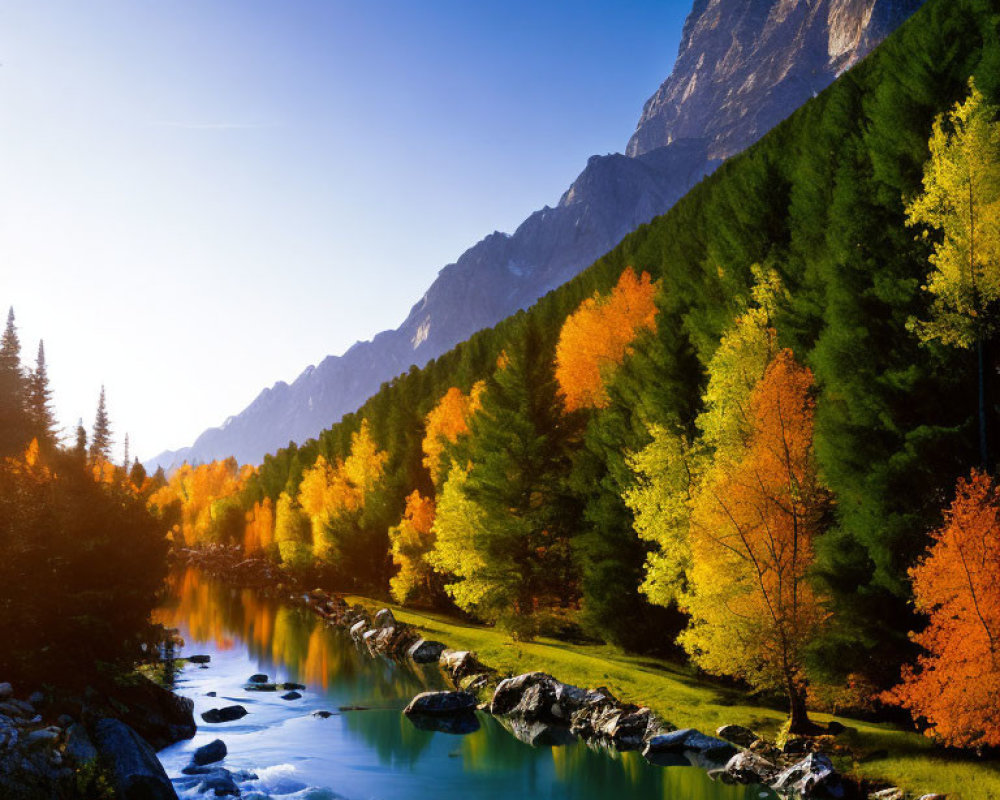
(743, 65)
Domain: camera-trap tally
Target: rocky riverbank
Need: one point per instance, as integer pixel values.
(92, 744)
(540, 710)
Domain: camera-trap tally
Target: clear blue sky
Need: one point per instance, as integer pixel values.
(200, 198)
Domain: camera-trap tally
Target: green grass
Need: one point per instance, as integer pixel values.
(881, 752)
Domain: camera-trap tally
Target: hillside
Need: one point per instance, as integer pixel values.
(743, 65)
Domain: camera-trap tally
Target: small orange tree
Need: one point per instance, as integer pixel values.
(956, 685)
(411, 540)
(445, 423)
(597, 337)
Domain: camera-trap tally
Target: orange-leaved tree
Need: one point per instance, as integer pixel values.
(411, 540)
(597, 336)
(956, 684)
(754, 520)
(445, 423)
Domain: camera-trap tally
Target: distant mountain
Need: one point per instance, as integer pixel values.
(742, 67)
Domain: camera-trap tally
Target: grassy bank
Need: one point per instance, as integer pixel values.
(881, 752)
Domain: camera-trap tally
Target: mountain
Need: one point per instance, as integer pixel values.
(742, 67)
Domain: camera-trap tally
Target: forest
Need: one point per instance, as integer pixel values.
(758, 434)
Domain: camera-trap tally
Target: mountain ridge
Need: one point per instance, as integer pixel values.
(686, 129)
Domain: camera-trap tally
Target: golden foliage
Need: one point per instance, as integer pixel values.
(411, 540)
(446, 422)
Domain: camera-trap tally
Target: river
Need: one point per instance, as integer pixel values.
(375, 751)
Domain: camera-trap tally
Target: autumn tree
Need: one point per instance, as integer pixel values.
(100, 435)
(259, 531)
(754, 522)
(961, 201)
(445, 424)
(956, 683)
(410, 541)
(200, 501)
(292, 533)
(597, 336)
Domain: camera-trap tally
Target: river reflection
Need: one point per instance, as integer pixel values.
(375, 752)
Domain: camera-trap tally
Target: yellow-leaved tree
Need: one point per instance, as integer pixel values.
(446, 423)
(410, 542)
(292, 532)
(456, 523)
(961, 203)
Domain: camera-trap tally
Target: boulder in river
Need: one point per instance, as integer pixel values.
(737, 734)
(747, 767)
(384, 619)
(358, 629)
(227, 714)
(688, 740)
(258, 678)
(291, 696)
(199, 659)
(294, 687)
(460, 663)
(439, 703)
(136, 773)
(261, 687)
(209, 753)
(426, 652)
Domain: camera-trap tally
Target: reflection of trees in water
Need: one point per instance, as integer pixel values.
(284, 637)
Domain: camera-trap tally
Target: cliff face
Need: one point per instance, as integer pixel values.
(743, 66)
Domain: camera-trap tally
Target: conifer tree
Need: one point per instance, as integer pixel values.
(100, 440)
(13, 421)
(125, 460)
(80, 449)
(39, 397)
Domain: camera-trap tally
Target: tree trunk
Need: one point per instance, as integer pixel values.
(984, 404)
(798, 715)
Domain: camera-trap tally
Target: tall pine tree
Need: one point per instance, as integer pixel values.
(13, 417)
(39, 396)
(100, 440)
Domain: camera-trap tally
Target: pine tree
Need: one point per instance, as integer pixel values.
(100, 440)
(39, 395)
(125, 461)
(80, 448)
(14, 432)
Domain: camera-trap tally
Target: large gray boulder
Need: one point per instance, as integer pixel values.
(747, 767)
(209, 753)
(426, 652)
(227, 714)
(737, 734)
(136, 772)
(813, 776)
(384, 619)
(688, 740)
(430, 703)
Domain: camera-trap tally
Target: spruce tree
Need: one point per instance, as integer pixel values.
(125, 461)
(14, 428)
(80, 448)
(39, 395)
(100, 440)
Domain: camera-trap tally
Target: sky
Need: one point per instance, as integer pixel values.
(200, 198)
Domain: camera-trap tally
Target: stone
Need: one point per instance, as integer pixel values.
(892, 793)
(932, 797)
(834, 728)
(813, 776)
(459, 663)
(737, 734)
(425, 652)
(433, 703)
(43, 736)
(219, 782)
(135, 771)
(358, 629)
(211, 694)
(384, 618)
(295, 687)
(6, 691)
(261, 687)
(322, 714)
(200, 659)
(798, 746)
(209, 753)
(291, 696)
(258, 678)
(689, 740)
(748, 767)
(227, 714)
(79, 747)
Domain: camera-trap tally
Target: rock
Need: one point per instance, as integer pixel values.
(834, 728)
(209, 753)
(78, 744)
(892, 793)
(200, 659)
(135, 771)
(425, 652)
(748, 767)
(456, 724)
(36, 699)
(43, 737)
(211, 694)
(6, 691)
(261, 687)
(932, 797)
(689, 740)
(295, 687)
(813, 776)
(16, 709)
(358, 629)
(434, 703)
(799, 746)
(227, 714)
(291, 696)
(538, 734)
(459, 663)
(220, 782)
(737, 734)
(322, 714)
(384, 618)
(258, 678)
